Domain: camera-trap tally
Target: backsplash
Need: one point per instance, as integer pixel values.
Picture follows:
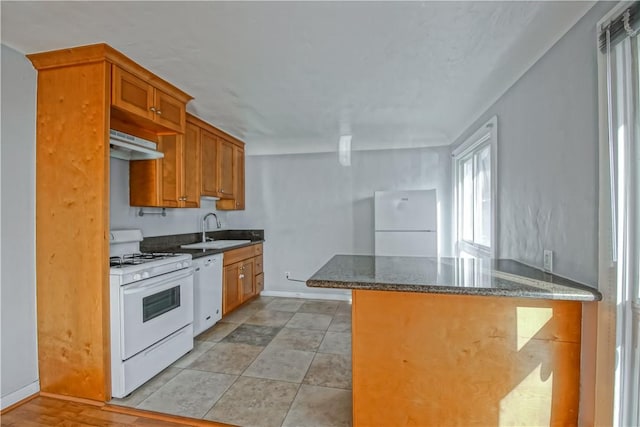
(177, 221)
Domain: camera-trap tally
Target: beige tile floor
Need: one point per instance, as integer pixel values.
(272, 362)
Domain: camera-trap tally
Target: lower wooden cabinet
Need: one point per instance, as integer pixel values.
(243, 276)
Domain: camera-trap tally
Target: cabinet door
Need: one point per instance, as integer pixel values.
(226, 169)
(132, 94)
(239, 178)
(237, 203)
(209, 164)
(231, 294)
(191, 167)
(169, 112)
(247, 279)
(259, 283)
(171, 170)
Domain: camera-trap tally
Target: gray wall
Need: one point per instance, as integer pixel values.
(548, 157)
(19, 363)
(312, 208)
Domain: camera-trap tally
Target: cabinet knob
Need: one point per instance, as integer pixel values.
(241, 276)
(152, 109)
(158, 112)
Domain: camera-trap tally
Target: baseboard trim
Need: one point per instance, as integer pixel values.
(19, 397)
(82, 400)
(307, 295)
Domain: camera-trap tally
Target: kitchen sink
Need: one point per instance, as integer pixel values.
(216, 244)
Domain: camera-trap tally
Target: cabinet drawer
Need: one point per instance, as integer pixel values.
(236, 255)
(257, 249)
(258, 264)
(259, 283)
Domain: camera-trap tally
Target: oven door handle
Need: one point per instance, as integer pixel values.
(142, 287)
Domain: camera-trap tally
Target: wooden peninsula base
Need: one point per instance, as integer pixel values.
(426, 359)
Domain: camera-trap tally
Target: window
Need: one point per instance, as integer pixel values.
(474, 166)
(618, 67)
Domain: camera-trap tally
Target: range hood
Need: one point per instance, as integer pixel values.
(129, 147)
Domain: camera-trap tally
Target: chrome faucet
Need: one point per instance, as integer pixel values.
(204, 225)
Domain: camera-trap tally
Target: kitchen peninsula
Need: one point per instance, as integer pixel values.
(466, 341)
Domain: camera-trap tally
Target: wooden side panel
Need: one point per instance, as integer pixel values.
(209, 164)
(72, 220)
(427, 359)
(191, 167)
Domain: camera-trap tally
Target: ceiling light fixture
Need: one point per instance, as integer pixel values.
(344, 150)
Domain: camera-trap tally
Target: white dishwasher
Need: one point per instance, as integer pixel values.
(207, 292)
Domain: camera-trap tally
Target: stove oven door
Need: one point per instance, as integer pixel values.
(153, 309)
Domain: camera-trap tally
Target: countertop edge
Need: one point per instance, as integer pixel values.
(449, 290)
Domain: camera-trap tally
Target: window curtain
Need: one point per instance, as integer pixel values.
(618, 378)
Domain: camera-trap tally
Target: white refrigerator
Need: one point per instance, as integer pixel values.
(406, 223)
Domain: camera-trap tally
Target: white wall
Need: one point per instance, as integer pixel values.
(18, 351)
(177, 221)
(548, 157)
(312, 208)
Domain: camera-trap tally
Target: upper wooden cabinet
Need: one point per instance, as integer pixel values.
(222, 165)
(173, 181)
(209, 149)
(137, 96)
(236, 202)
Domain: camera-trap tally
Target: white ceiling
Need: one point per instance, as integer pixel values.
(292, 76)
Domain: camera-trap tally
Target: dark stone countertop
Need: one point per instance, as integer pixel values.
(461, 276)
(171, 243)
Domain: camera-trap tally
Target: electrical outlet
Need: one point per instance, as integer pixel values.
(547, 261)
(287, 274)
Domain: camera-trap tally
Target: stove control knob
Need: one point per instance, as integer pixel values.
(187, 263)
(179, 265)
(136, 276)
(145, 274)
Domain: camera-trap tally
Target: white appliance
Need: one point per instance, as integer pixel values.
(151, 296)
(207, 292)
(406, 223)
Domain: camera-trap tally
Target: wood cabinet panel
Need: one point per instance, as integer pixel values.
(259, 283)
(258, 264)
(243, 276)
(170, 112)
(236, 255)
(174, 180)
(191, 167)
(226, 168)
(247, 279)
(238, 200)
(209, 163)
(231, 295)
(515, 361)
(171, 169)
(132, 94)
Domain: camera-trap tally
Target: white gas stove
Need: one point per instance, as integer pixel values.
(151, 310)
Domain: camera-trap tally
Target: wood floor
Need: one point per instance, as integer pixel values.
(47, 411)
